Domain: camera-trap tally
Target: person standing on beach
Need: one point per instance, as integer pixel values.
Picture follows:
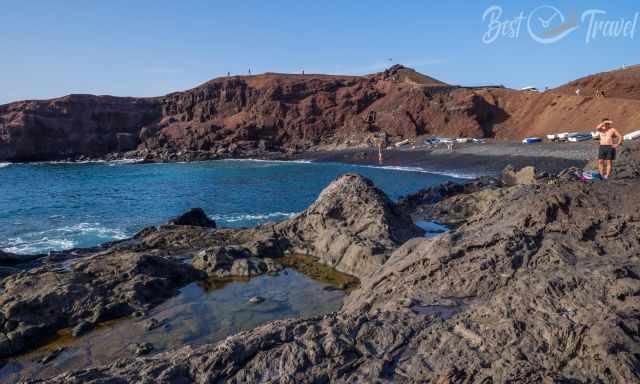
(610, 139)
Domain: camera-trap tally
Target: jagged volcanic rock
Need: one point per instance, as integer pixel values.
(352, 226)
(541, 285)
(36, 303)
(194, 217)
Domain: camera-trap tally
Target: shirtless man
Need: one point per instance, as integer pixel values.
(610, 139)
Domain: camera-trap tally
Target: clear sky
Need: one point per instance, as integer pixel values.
(152, 47)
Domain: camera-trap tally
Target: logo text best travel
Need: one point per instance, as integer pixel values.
(547, 25)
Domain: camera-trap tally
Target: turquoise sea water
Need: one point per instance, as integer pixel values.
(59, 206)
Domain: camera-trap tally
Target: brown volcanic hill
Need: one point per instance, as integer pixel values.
(538, 114)
(242, 115)
(270, 114)
(620, 83)
(409, 75)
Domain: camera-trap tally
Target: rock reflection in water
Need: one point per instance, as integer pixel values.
(203, 312)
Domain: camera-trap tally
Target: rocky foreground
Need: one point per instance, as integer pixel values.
(352, 227)
(538, 282)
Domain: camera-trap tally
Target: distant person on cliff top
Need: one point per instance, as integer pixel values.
(610, 139)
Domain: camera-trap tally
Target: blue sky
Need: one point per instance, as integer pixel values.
(149, 48)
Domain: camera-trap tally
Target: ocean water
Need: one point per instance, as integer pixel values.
(55, 206)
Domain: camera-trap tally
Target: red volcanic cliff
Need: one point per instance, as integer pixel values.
(297, 112)
(248, 115)
(72, 125)
(279, 113)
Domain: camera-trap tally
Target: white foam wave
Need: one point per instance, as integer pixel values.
(254, 217)
(62, 238)
(20, 246)
(301, 161)
(92, 228)
(126, 161)
(110, 162)
(418, 169)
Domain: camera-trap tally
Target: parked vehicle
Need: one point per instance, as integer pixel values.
(632, 136)
(580, 137)
(432, 141)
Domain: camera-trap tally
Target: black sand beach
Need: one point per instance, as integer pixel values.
(469, 160)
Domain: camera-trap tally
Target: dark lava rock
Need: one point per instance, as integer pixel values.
(8, 271)
(225, 261)
(82, 328)
(49, 357)
(194, 217)
(432, 195)
(36, 304)
(352, 227)
(140, 349)
(541, 284)
(153, 323)
(526, 175)
(11, 259)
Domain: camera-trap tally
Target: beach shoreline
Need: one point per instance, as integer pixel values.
(467, 160)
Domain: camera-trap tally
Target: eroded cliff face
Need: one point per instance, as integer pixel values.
(72, 126)
(278, 114)
(244, 116)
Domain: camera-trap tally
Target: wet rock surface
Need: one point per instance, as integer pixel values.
(352, 226)
(36, 303)
(539, 283)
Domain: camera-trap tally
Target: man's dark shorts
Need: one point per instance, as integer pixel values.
(606, 152)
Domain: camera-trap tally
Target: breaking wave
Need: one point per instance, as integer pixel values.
(62, 238)
(420, 170)
(254, 217)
